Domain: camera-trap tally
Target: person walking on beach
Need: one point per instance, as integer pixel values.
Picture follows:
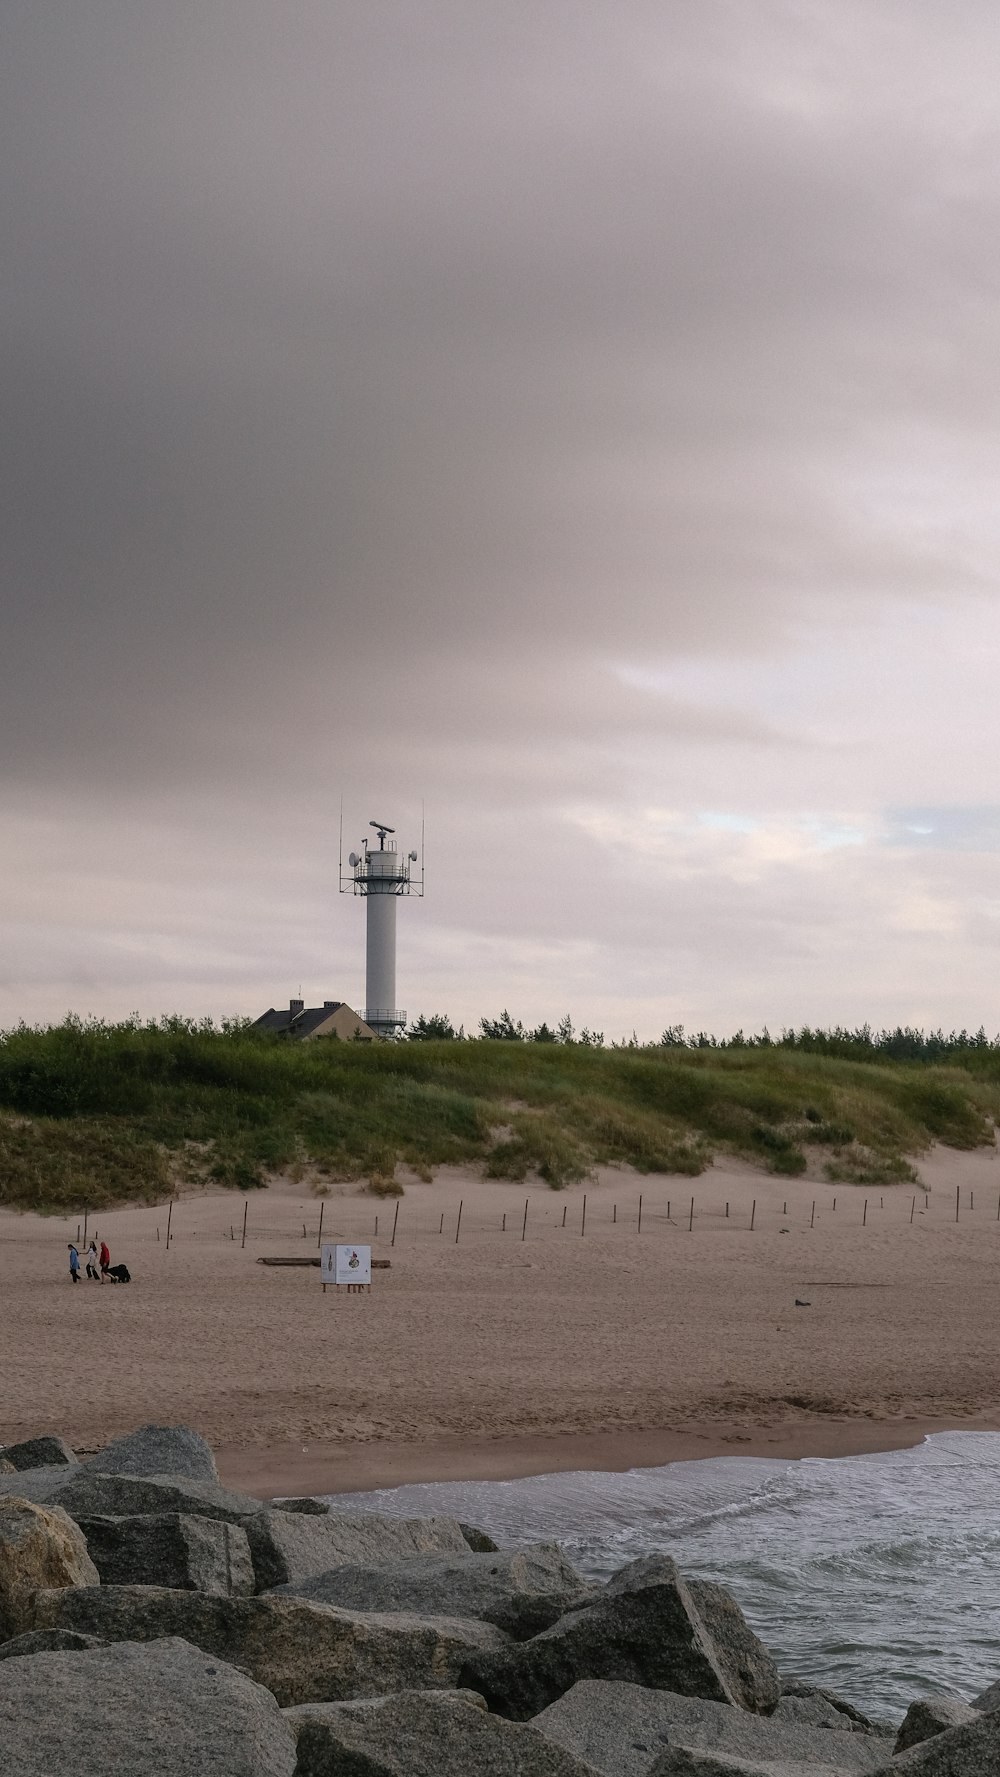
(105, 1260)
(92, 1271)
(74, 1263)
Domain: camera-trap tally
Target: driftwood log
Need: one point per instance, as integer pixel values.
(377, 1264)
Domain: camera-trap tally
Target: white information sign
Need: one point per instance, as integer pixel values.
(346, 1264)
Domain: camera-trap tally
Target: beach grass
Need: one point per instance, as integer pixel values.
(102, 1114)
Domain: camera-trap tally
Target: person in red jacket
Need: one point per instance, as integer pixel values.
(105, 1260)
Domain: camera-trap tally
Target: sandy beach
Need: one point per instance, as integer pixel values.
(512, 1351)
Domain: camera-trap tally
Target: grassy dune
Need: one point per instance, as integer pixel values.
(100, 1114)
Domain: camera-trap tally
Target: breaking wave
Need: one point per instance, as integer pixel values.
(878, 1576)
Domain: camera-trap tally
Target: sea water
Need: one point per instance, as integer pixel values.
(877, 1576)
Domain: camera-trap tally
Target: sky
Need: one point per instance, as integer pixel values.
(573, 424)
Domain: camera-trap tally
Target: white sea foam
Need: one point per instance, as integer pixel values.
(878, 1576)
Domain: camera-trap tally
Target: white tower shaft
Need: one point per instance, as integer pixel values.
(380, 951)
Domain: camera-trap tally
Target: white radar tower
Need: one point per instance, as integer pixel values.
(382, 876)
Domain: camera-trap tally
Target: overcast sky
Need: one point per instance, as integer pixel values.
(578, 416)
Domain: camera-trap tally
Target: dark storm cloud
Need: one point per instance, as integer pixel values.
(380, 381)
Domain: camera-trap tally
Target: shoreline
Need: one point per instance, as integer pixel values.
(288, 1470)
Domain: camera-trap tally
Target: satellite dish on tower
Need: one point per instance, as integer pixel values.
(353, 860)
(413, 857)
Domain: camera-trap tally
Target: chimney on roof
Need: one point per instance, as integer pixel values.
(330, 1005)
(295, 1007)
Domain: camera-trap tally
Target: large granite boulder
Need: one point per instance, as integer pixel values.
(683, 1761)
(642, 1628)
(301, 1713)
(479, 1541)
(622, 1729)
(87, 1494)
(818, 1708)
(303, 1652)
(749, 1670)
(39, 1484)
(522, 1591)
(46, 1641)
(989, 1699)
(39, 1453)
(289, 1546)
(127, 1711)
(157, 1450)
(932, 1715)
(972, 1750)
(429, 1735)
(39, 1546)
(171, 1549)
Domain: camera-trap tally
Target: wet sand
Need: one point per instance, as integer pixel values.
(498, 1356)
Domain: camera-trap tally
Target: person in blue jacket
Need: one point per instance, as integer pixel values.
(74, 1263)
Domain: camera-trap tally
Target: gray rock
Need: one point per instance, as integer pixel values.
(157, 1450)
(681, 1761)
(478, 1540)
(302, 1652)
(290, 1546)
(127, 1711)
(46, 1641)
(413, 1735)
(747, 1667)
(301, 1713)
(969, 1751)
(171, 1549)
(643, 1628)
(93, 1495)
(39, 1484)
(989, 1699)
(313, 1508)
(39, 1453)
(818, 1708)
(932, 1715)
(622, 1729)
(522, 1591)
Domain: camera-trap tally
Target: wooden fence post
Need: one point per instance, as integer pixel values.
(319, 1237)
(583, 1218)
(458, 1224)
(395, 1219)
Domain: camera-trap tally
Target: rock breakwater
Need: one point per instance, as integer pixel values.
(153, 1622)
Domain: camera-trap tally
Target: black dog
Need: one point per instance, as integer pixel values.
(120, 1273)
